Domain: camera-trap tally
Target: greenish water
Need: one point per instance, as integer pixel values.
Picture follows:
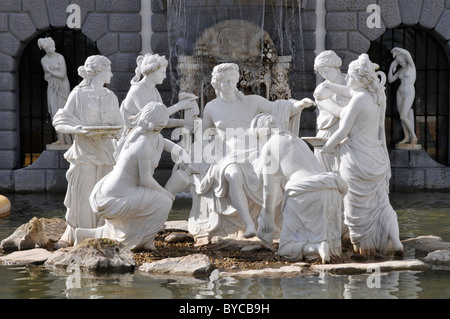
(418, 214)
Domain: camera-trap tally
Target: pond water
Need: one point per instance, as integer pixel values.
(418, 214)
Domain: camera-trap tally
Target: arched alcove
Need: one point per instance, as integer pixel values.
(36, 129)
(431, 105)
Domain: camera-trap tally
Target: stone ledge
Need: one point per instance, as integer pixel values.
(36, 256)
(359, 268)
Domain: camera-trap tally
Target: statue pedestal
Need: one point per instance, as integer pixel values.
(46, 174)
(58, 147)
(409, 147)
(414, 170)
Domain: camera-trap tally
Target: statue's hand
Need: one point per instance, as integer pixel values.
(187, 104)
(79, 130)
(306, 102)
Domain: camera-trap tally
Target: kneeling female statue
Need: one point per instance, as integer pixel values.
(134, 205)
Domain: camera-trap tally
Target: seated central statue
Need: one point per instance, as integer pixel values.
(228, 193)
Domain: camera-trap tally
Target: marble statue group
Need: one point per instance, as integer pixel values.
(256, 178)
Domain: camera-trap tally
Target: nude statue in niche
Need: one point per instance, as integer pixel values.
(403, 69)
(58, 89)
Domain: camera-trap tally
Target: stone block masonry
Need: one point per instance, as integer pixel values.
(114, 25)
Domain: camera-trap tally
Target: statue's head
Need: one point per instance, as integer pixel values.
(262, 125)
(328, 64)
(46, 44)
(153, 117)
(148, 64)
(223, 70)
(327, 58)
(94, 65)
(364, 73)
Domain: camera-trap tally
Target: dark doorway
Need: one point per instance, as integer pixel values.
(36, 129)
(431, 105)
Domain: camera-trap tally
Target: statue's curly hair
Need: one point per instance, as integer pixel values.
(92, 66)
(147, 64)
(366, 73)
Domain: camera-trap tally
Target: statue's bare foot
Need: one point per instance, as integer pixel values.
(404, 141)
(414, 141)
(58, 142)
(150, 248)
(251, 232)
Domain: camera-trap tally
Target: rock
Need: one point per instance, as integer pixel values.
(197, 265)
(424, 245)
(359, 268)
(96, 255)
(438, 258)
(230, 244)
(176, 225)
(35, 256)
(54, 228)
(177, 238)
(285, 271)
(36, 233)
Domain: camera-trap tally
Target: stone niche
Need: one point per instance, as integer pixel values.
(262, 70)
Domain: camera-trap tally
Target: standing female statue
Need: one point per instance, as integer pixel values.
(89, 104)
(360, 143)
(150, 71)
(328, 65)
(406, 91)
(58, 88)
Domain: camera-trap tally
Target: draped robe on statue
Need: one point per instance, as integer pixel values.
(307, 203)
(365, 166)
(90, 158)
(136, 215)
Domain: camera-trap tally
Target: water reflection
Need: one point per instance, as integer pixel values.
(418, 214)
(39, 282)
(426, 213)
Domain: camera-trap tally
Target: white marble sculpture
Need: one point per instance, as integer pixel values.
(228, 193)
(132, 203)
(312, 201)
(151, 71)
(364, 160)
(58, 89)
(328, 65)
(404, 69)
(92, 115)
